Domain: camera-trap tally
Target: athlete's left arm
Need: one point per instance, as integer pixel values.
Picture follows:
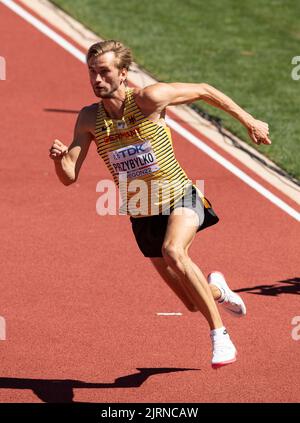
(162, 95)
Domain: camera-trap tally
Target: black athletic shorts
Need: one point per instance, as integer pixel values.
(149, 231)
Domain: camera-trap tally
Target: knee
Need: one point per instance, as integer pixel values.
(175, 255)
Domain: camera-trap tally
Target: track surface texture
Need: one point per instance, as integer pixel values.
(80, 301)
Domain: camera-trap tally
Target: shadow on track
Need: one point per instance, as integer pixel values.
(62, 111)
(61, 390)
(287, 286)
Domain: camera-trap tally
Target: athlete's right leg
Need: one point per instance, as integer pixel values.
(174, 282)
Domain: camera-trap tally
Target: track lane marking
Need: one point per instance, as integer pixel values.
(46, 30)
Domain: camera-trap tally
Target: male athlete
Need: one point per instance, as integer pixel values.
(132, 138)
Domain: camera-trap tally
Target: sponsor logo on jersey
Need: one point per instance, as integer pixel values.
(136, 159)
(120, 124)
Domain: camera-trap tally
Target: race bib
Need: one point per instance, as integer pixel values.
(137, 160)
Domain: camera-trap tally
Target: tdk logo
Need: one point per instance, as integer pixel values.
(130, 151)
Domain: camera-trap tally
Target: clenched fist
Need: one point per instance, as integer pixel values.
(57, 150)
(259, 132)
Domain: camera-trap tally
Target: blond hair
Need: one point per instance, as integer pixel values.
(123, 54)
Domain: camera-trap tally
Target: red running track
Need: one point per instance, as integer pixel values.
(79, 299)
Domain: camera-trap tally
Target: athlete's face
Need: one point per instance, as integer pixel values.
(105, 77)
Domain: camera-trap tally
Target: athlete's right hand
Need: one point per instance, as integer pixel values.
(57, 150)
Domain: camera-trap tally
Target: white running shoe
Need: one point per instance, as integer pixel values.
(231, 301)
(224, 352)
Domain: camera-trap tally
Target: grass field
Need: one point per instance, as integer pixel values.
(244, 49)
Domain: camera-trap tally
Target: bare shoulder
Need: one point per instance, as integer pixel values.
(87, 114)
(153, 93)
(152, 99)
(86, 119)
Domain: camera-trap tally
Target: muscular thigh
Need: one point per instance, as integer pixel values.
(181, 228)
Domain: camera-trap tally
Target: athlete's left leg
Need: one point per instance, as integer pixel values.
(181, 230)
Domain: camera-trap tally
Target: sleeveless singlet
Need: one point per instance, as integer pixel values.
(139, 155)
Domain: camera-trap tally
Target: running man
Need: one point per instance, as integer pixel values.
(132, 138)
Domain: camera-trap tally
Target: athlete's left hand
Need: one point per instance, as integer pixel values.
(258, 131)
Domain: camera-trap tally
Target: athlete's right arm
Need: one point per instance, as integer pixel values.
(68, 160)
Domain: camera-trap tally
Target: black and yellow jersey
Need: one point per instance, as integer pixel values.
(139, 154)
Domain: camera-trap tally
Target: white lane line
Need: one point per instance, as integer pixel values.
(174, 125)
(44, 29)
(169, 314)
(232, 168)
